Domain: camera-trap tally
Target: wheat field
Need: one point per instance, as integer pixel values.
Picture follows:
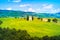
(34, 28)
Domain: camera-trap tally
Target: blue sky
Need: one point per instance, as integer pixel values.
(42, 6)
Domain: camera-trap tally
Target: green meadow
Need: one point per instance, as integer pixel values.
(34, 28)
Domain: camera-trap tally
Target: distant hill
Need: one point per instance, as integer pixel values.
(6, 13)
(11, 13)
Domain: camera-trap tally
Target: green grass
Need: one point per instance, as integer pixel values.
(34, 28)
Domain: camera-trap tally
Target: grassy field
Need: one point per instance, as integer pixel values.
(34, 28)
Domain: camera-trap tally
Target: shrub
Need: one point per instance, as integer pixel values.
(1, 22)
(49, 20)
(45, 38)
(55, 20)
(27, 18)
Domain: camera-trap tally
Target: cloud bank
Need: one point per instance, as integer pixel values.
(9, 8)
(14, 0)
(46, 8)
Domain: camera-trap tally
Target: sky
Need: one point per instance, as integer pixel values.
(41, 6)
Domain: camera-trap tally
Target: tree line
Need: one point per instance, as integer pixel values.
(48, 20)
(13, 34)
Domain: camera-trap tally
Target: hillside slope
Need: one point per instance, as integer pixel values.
(34, 28)
(11, 13)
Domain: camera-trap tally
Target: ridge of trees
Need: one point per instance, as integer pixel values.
(13, 34)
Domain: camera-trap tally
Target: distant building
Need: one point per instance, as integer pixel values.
(45, 19)
(29, 18)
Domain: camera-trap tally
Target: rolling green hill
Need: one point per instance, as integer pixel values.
(11, 13)
(34, 28)
(12, 19)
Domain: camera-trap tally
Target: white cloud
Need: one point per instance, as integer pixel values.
(38, 9)
(24, 5)
(8, 8)
(55, 10)
(45, 6)
(31, 10)
(45, 9)
(14, 0)
(49, 8)
(25, 10)
(58, 9)
(17, 1)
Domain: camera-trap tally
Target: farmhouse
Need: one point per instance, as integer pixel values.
(45, 19)
(29, 18)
